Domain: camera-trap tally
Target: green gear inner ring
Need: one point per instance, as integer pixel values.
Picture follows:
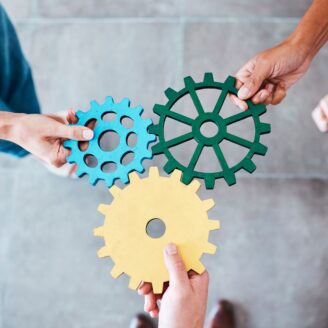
(189, 172)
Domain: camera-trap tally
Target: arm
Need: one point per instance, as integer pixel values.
(183, 304)
(267, 76)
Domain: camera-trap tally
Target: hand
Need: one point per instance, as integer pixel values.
(43, 135)
(267, 77)
(183, 303)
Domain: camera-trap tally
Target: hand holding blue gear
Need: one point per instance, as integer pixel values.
(140, 149)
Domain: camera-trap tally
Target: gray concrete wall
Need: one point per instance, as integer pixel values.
(272, 260)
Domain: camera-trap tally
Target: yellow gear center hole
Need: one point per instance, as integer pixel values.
(155, 228)
(209, 129)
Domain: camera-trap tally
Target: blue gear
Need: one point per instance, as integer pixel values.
(140, 150)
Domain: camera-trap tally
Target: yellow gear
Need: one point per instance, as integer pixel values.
(185, 216)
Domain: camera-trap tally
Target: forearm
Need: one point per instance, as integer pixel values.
(312, 31)
(7, 126)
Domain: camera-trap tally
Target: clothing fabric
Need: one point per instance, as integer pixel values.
(17, 91)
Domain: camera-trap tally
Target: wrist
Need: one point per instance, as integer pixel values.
(304, 49)
(10, 126)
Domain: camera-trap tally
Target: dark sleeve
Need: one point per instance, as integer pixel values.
(17, 91)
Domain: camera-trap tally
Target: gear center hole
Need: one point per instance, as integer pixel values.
(155, 228)
(209, 129)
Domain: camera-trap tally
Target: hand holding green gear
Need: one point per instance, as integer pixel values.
(188, 172)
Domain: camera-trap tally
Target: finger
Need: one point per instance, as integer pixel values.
(150, 303)
(61, 156)
(252, 75)
(324, 106)
(71, 117)
(175, 266)
(154, 313)
(70, 132)
(278, 95)
(145, 288)
(260, 97)
(199, 282)
(320, 119)
(238, 102)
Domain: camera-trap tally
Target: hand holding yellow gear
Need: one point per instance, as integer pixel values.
(186, 221)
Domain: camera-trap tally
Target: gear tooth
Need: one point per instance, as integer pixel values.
(109, 180)
(159, 109)
(210, 248)
(125, 178)
(125, 102)
(99, 231)
(103, 209)
(208, 78)
(169, 167)
(198, 267)
(208, 204)
(116, 271)
(189, 81)
(260, 149)
(134, 283)
(103, 252)
(109, 100)
(68, 144)
(139, 110)
(93, 180)
(176, 174)
(148, 122)
(79, 172)
(93, 103)
(213, 224)
(209, 182)
(194, 185)
(265, 128)
(260, 108)
(154, 129)
(230, 177)
(115, 191)
(170, 93)
(70, 159)
(157, 287)
(248, 165)
(133, 176)
(79, 114)
(157, 149)
(187, 177)
(230, 83)
(153, 172)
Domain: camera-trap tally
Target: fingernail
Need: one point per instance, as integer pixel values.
(152, 314)
(262, 95)
(243, 93)
(87, 134)
(171, 249)
(139, 292)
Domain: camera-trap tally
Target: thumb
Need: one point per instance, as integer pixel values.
(175, 265)
(75, 132)
(252, 75)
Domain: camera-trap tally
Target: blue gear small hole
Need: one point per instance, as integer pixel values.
(90, 160)
(108, 116)
(127, 122)
(127, 158)
(131, 139)
(109, 167)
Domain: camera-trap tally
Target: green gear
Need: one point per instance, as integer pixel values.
(189, 172)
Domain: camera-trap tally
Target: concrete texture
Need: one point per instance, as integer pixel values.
(272, 259)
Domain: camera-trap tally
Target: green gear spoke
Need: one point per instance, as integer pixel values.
(237, 117)
(239, 141)
(228, 175)
(179, 140)
(220, 102)
(196, 101)
(180, 117)
(188, 173)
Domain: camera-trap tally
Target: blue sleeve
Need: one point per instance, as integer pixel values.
(17, 91)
